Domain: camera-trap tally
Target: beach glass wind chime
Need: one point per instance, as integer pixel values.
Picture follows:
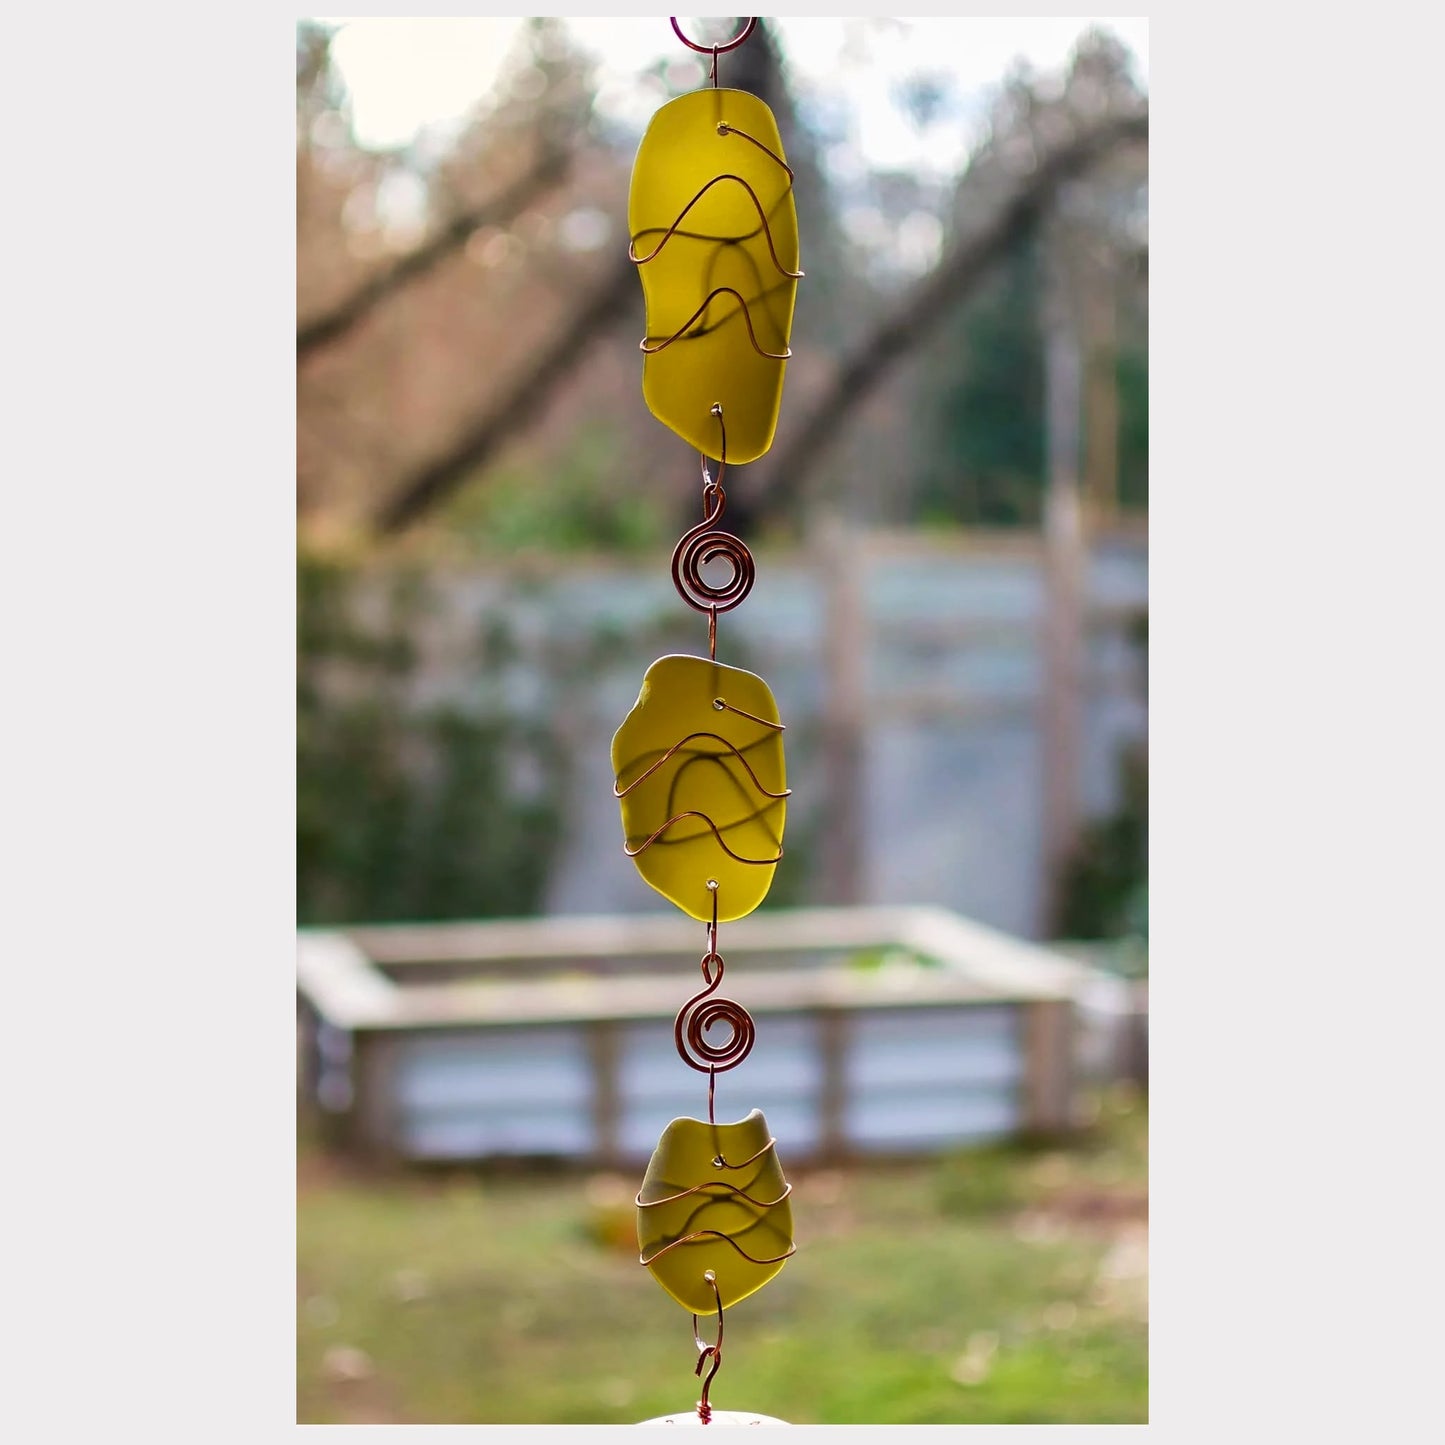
(699, 759)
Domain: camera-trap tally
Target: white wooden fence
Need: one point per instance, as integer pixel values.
(879, 1030)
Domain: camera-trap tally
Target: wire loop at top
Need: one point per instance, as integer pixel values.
(714, 50)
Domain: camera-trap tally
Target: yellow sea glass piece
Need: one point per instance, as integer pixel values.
(715, 233)
(699, 771)
(732, 1217)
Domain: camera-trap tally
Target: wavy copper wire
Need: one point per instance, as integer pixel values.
(718, 1234)
(745, 796)
(715, 1184)
(672, 229)
(707, 301)
(677, 746)
(693, 813)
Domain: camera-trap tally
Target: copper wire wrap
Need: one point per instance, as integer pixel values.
(673, 230)
(727, 1239)
(732, 748)
(682, 331)
(647, 842)
(732, 1190)
(698, 754)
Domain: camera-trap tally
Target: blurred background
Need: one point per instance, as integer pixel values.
(951, 609)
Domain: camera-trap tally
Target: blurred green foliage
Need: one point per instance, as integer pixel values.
(586, 499)
(1103, 888)
(980, 1183)
(1133, 382)
(409, 811)
(1103, 892)
(986, 417)
(475, 1296)
(982, 403)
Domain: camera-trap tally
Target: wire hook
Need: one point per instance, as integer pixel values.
(704, 1410)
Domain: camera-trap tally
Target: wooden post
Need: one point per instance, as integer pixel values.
(603, 1043)
(1101, 424)
(1064, 563)
(842, 860)
(1048, 1066)
(833, 1100)
(373, 1107)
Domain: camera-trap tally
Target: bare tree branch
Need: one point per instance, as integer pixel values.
(951, 282)
(593, 315)
(550, 170)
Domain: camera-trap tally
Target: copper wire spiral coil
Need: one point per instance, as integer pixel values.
(700, 1013)
(702, 545)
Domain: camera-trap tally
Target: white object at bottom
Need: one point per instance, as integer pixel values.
(719, 1417)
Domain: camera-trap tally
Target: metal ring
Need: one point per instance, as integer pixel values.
(733, 44)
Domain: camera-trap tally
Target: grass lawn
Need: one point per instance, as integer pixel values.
(997, 1286)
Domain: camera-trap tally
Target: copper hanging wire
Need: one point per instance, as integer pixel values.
(699, 546)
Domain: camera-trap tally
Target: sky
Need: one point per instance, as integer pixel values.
(407, 75)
